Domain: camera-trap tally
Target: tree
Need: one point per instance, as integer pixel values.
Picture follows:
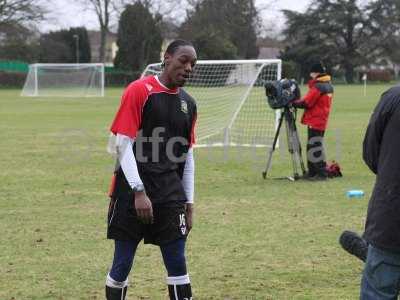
(54, 47)
(139, 38)
(20, 11)
(385, 28)
(339, 27)
(303, 43)
(60, 46)
(103, 10)
(242, 20)
(345, 26)
(84, 44)
(18, 43)
(222, 29)
(207, 32)
(168, 9)
(107, 11)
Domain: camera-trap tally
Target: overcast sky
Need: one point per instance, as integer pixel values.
(67, 13)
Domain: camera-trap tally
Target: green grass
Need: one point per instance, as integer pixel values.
(253, 238)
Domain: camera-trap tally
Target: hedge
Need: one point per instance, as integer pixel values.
(12, 79)
(120, 78)
(385, 75)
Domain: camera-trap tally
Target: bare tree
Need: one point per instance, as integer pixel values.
(103, 10)
(106, 11)
(20, 11)
(173, 10)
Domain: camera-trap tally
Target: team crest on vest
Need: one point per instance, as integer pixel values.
(184, 106)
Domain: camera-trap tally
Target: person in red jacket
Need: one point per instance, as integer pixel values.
(317, 105)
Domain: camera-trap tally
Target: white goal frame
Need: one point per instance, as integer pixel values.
(33, 70)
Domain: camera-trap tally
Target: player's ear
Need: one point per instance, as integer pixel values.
(167, 59)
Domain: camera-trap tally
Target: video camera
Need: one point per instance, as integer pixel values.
(280, 93)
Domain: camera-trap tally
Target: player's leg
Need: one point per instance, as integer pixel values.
(310, 166)
(117, 278)
(126, 231)
(321, 163)
(316, 154)
(381, 276)
(175, 262)
(169, 231)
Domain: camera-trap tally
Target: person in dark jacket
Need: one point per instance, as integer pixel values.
(317, 105)
(381, 276)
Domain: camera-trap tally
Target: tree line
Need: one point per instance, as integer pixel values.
(344, 34)
(220, 30)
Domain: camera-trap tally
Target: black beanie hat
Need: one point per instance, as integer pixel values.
(317, 68)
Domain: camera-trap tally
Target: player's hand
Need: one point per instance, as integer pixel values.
(144, 209)
(189, 215)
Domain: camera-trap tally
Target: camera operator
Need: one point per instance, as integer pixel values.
(317, 105)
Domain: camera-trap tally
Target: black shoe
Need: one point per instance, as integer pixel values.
(354, 244)
(317, 178)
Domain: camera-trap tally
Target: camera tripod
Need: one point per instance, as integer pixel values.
(293, 142)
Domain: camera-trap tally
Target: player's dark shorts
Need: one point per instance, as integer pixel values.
(123, 223)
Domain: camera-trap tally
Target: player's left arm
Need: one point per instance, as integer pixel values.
(188, 175)
(188, 186)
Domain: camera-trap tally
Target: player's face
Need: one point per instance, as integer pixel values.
(180, 65)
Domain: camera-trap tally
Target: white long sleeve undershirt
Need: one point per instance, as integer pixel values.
(126, 158)
(188, 177)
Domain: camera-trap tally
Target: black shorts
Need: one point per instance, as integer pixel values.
(123, 224)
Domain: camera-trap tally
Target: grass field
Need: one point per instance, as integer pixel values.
(253, 238)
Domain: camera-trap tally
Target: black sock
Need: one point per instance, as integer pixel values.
(116, 293)
(179, 288)
(116, 290)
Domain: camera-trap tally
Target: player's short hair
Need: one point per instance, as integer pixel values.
(174, 45)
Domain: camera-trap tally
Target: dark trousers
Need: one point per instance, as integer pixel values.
(315, 153)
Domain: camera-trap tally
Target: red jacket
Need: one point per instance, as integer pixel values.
(317, 102)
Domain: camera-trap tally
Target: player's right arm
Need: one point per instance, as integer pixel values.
(127, 160)
(125, 126)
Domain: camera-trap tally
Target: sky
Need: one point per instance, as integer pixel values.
(67, 13)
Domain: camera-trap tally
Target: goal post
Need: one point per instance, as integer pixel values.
(64, 80)
(231, 101)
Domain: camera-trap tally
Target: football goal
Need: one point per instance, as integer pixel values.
(64, 80)
(231, 102)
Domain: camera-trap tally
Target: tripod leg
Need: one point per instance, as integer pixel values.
(291, 142)
(264, 174)
(269, 160)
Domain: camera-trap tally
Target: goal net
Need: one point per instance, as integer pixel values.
(231, 102)
(64, 80)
